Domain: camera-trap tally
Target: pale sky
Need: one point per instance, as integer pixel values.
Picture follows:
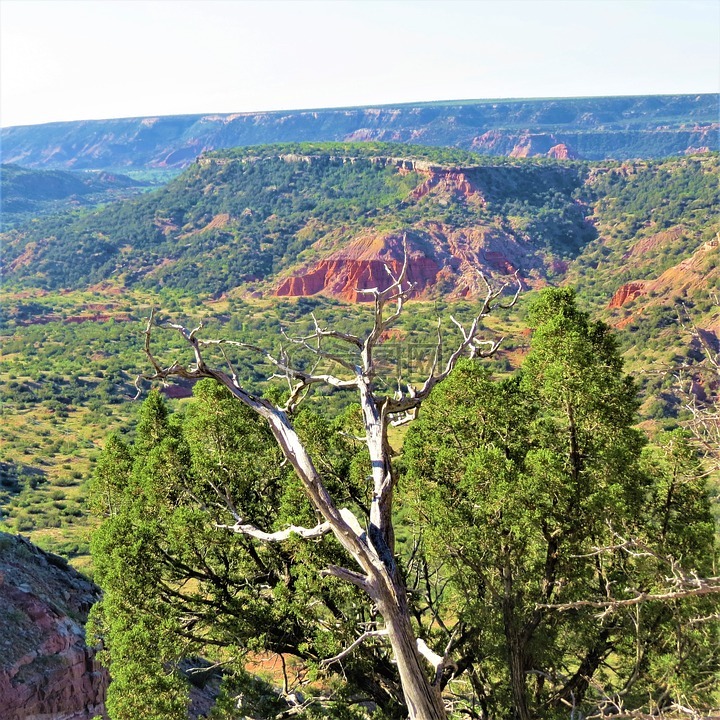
(87, 59)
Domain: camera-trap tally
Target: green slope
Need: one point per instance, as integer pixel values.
(245, 215)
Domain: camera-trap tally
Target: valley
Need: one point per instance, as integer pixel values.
(258, 245)
(252, 240)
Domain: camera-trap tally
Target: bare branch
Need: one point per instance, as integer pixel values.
(680, 584)
(367, 634)
(335, 334)
(703, 586)
(350, 576)
(279, 536)
(319, 352)
(435, 660)
(469, 342)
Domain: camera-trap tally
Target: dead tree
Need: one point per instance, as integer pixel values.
(372, 547)
(679, 584)
(704, 414)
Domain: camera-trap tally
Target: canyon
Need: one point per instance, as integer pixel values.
(592, 128)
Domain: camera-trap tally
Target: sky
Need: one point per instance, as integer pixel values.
(91, 59)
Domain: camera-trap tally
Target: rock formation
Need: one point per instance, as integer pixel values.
(595, 127)
(696, 273)
(440, 257)
(526, 144)
(562, 152)
(361, 265)
(46, 670)
(626, 293)
(452, 181)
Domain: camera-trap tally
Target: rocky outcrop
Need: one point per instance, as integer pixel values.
(454, 182)
(46, 670)
(695, 274)
(440, 259)
(562, 152)
(530, 145)
(523, 145)
(626, 293)
(362, 265)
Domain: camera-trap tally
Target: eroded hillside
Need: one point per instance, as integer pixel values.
(319, 219)
(592, 128)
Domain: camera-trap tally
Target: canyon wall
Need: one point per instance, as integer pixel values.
(590, 128)
(47, 672)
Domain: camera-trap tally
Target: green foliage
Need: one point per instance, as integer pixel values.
(177, 579)
(238, 217)
(515, 482)
(666, 208)
(27, 193)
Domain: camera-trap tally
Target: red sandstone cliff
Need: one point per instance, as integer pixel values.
(453, 182)
(626, 293)
(562, 152)
(697, 272)
(46, 670)
(362, 265)
(438, 255)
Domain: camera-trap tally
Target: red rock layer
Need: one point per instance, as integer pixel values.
(360, 266)
(46, 670)
(526, 144)
(455, 182)
(561, 152)
(697, 272)
(441, 256)
(626, 293)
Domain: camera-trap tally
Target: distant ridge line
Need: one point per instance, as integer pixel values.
(591, 128)
(379, 106)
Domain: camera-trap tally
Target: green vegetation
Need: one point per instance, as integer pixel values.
(27, 194)
(70, 361)
(518, 483)
(164, 564)
(527, 492)
(513, 474)
(665, 210)
(70, 358)
(240, 217)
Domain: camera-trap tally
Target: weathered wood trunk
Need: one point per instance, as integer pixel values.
(383, 580)
(424, 700)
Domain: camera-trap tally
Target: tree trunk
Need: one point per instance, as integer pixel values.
(423, 698)
(384, 582)
(516, 644)
(517, 676)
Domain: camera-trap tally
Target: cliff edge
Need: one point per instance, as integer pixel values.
(46, 670)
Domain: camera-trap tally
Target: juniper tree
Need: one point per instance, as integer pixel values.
(552, 523)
